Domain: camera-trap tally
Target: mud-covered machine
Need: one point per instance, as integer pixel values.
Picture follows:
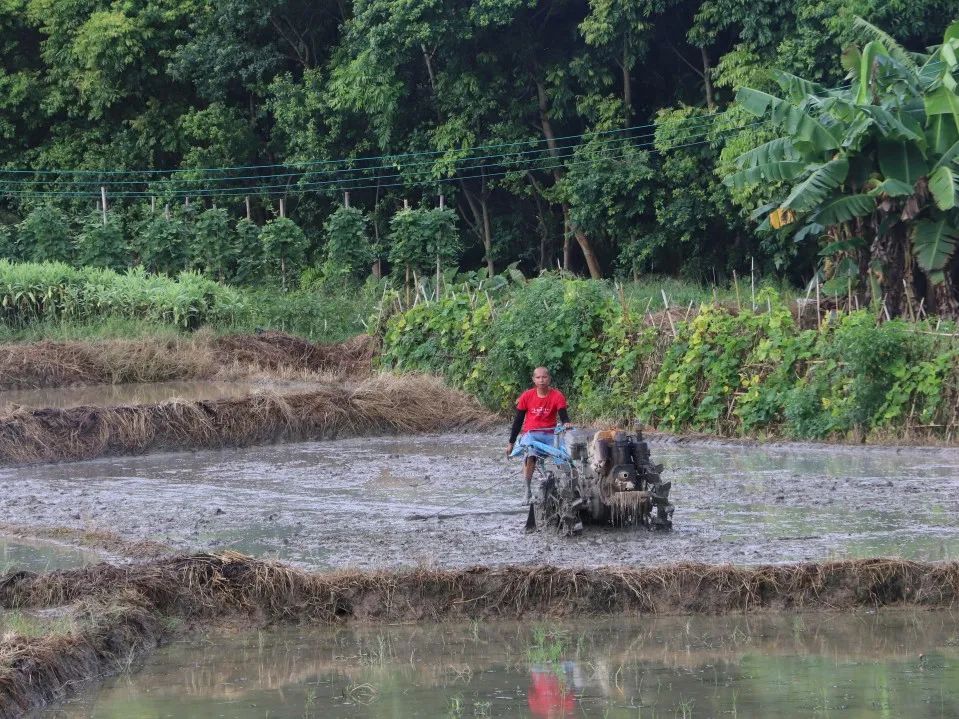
(603, 478)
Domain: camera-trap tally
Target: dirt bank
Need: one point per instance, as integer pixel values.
(377, 405)
(195, 357)
(125, 611)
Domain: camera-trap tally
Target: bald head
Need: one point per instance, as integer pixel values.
(541, 379)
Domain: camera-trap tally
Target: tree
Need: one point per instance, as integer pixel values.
(870, 168)
(284, 248)
(103, 244)
(249, 252)
(348, 252)
(214, 249)
(422, 239)
(44, 235)
(162, 245)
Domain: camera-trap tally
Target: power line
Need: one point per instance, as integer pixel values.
(710, 119)
(339, 186)
(355, 170)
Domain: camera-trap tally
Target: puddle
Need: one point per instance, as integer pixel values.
(348, 503)
(125, 394)
(37, 556)
(893, 664)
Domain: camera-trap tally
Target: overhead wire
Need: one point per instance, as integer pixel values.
(345, 179)
(339, 185)
(466, 162)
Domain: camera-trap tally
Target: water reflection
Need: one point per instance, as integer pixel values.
(889, 665)
(37, 556)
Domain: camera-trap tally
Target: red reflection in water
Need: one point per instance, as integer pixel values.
(549, 696)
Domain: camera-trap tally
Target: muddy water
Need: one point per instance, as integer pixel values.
(349, 503)
(123, 394)
(16, 554)
(887, 665)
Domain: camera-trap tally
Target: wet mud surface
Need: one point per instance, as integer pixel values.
(891, 664)
(349, 503)
(106, 395)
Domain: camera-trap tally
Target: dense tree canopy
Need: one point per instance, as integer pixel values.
(589, 133)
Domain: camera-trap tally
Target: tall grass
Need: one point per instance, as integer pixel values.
(52, 300)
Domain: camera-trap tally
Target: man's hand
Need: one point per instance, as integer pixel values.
(509, 449)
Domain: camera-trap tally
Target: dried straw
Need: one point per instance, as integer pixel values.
(379, 405)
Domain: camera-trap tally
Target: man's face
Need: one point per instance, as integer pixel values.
(541, 379)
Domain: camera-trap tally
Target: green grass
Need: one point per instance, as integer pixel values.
(648, 292)
(28, 625)
(107, 328)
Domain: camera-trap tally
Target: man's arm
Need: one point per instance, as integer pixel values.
(517, 425)
(564, 416)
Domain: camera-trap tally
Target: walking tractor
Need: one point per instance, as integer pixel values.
(605, 478)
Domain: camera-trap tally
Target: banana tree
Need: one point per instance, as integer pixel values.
(869, 170)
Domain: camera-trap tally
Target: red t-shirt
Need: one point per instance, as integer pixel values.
(540, 411)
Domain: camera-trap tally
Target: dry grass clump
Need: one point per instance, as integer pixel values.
(378, 405)
(205, 585)
(197, 357)
(126, 610)
(38, 670)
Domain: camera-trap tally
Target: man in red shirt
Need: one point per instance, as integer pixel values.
(536, 412)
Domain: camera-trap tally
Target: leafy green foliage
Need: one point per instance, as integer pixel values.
(103, 245)
(875, 161)
(348, 251)
(284, 248)
(39, 299)
(745, 372)
(44, 235)
(162, 245)
(421, 237)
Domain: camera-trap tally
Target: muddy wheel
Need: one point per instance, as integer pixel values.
(598, 511)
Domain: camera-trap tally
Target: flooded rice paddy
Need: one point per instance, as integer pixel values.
(890, 664)
(114, 395)
(36, 556)
(352, 503)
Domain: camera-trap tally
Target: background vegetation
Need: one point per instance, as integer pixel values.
(729, 367)
(55, 300)
(587, 133)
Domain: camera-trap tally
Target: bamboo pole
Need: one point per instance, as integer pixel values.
(818, 306)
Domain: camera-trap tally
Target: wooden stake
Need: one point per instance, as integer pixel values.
(282, 207)
(153, 204)
(442, 202)
(672, 327)
(406, 204)
(622, 301)
(103, 202)
(186, 201)
(912, 312)
(752, 281)
(166, 211)
(249, 211)
(739, 304)
(818, 306)
(346, 199)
